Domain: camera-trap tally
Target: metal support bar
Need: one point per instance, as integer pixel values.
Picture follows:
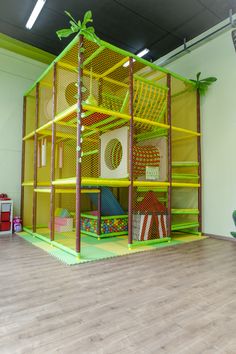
(53, 144)
(199, 162)
(99, 212)
(131, 137)
(169, 154)
(34, 214)
(114, 67)
(93, 55)
(23, 160)
(79, 144)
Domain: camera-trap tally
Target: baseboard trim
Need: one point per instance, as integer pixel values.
(220, 237)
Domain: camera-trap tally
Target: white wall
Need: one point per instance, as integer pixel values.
(17, 74)
(216, 58)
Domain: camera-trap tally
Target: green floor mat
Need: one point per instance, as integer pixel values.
(92, 249)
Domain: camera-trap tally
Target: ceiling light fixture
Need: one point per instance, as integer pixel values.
(36, 11)
(140, 54)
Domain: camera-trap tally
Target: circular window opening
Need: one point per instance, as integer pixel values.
(70, 93)
(113, 154)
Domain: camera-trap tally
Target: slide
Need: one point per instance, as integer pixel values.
(110, 205)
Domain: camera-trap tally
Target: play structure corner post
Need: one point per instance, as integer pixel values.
(169, 122)
(131, 137)
(23, 161)
(52, 196)
(198, 98)
(99, 212)
(79, 144)
(34, 216)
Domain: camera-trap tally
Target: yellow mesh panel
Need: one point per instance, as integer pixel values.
(183, 105)
(29, 160)
(30, 112)
(90, 155)
(66, 83)
(44, 158)
(65, 219)
(71, 57)
(187, 200)
(46, 99)
(43, 214)
(65, 149)
(66, 88)
(28, 207)
(184, 157)
(105, 79)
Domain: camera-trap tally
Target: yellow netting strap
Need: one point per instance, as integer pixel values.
(147, 107)
(149, 101)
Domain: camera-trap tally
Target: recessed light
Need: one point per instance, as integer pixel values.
(36, 11)
(143, 52)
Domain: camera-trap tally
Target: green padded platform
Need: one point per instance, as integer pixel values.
(93, 250)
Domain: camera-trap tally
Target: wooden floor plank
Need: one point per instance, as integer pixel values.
(180, 299)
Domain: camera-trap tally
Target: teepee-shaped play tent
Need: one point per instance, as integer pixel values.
(149, 219)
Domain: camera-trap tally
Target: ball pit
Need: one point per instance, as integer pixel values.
(109, 225)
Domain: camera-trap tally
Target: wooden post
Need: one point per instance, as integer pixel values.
(79, 145)
(169, 155)
(131, 137)
(34, 215)
(199, 162)
(53, 144)
(23, 160)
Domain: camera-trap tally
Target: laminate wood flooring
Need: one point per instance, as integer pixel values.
(179, 299)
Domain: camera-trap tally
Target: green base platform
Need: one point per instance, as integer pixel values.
(92, 249)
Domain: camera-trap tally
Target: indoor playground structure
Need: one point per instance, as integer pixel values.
(111, 152)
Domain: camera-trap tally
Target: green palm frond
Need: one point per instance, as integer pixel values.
(203, 84)
(79, 27)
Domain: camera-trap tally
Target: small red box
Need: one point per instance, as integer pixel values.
(5, 216)
(5, 226)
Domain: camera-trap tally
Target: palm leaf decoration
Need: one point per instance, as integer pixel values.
(203, 84)
(79, 27)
